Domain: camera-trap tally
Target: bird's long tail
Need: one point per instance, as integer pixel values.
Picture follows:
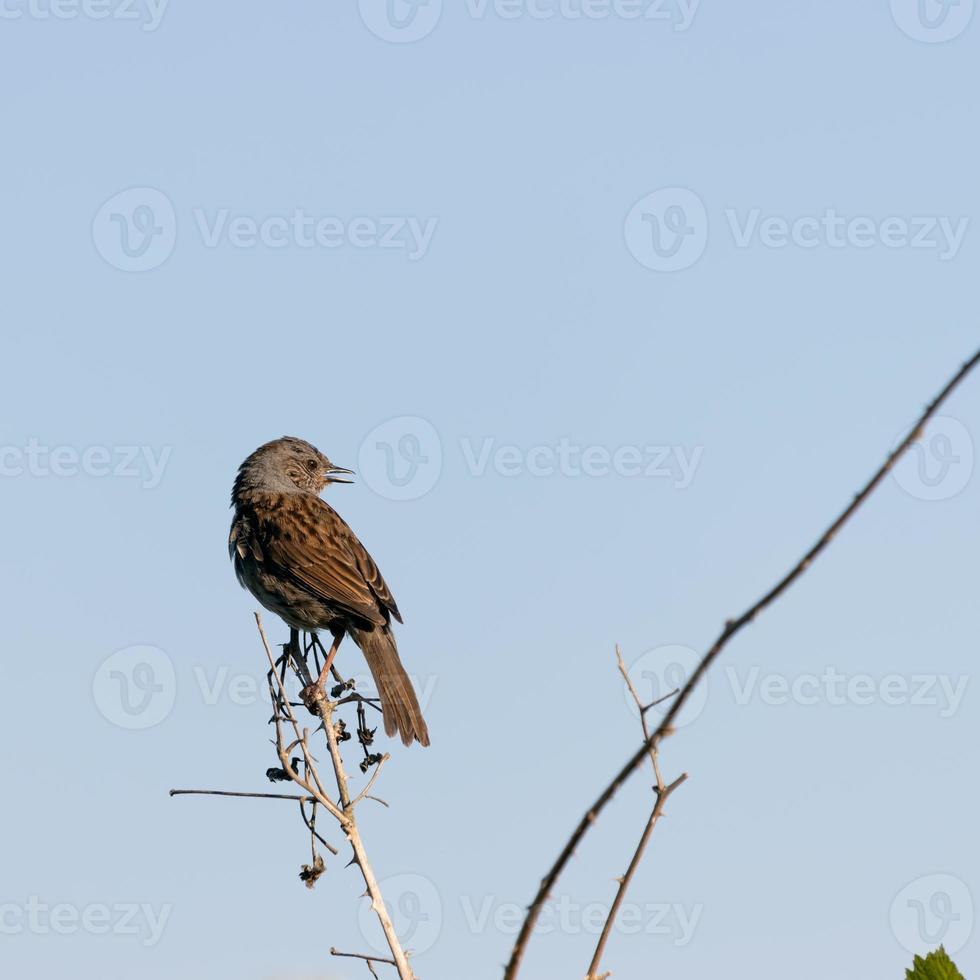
(399, 705)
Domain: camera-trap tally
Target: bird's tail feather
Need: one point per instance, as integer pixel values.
(399, 705)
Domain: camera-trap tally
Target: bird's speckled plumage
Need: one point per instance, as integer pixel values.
(300, 559)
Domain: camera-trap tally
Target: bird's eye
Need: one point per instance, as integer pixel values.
(311, 465)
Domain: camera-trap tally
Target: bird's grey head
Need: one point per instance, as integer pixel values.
(287, 465)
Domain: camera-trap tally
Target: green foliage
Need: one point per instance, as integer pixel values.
(936, 966)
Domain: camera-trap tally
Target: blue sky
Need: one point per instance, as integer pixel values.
(612, 306)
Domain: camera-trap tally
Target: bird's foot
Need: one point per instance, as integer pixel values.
(317, 691)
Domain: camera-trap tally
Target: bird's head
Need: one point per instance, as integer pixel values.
(287, 465)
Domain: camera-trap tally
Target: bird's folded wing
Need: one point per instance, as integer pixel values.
(321, 553)
(372, 575)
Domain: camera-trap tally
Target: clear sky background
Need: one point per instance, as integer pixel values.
(541, 324)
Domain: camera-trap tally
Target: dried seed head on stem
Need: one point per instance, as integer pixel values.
(303, 772)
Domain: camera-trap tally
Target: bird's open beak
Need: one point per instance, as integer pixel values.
(336, 479)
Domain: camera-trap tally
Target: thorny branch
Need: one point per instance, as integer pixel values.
(661, 794)
(302, 770)
(731, 628)
(368, 960)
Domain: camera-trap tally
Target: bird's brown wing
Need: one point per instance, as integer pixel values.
(309, 541)
(370, 572)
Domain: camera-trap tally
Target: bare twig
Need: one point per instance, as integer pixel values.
(325, 710)
(266, 796)
(369, 960)
(309, 780)
(244, 796)
(624, 671)
(731, 627)
(365, 793)
(624, 882)
(311, 824)
(662, 793)
(344, 813)
(314, 788)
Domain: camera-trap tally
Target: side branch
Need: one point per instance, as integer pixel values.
(369, 961)
(242, 796)
(662, 791)
(626, 880)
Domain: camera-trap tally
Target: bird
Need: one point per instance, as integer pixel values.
(298, 557)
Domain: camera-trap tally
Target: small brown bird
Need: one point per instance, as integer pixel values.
(299, 558)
